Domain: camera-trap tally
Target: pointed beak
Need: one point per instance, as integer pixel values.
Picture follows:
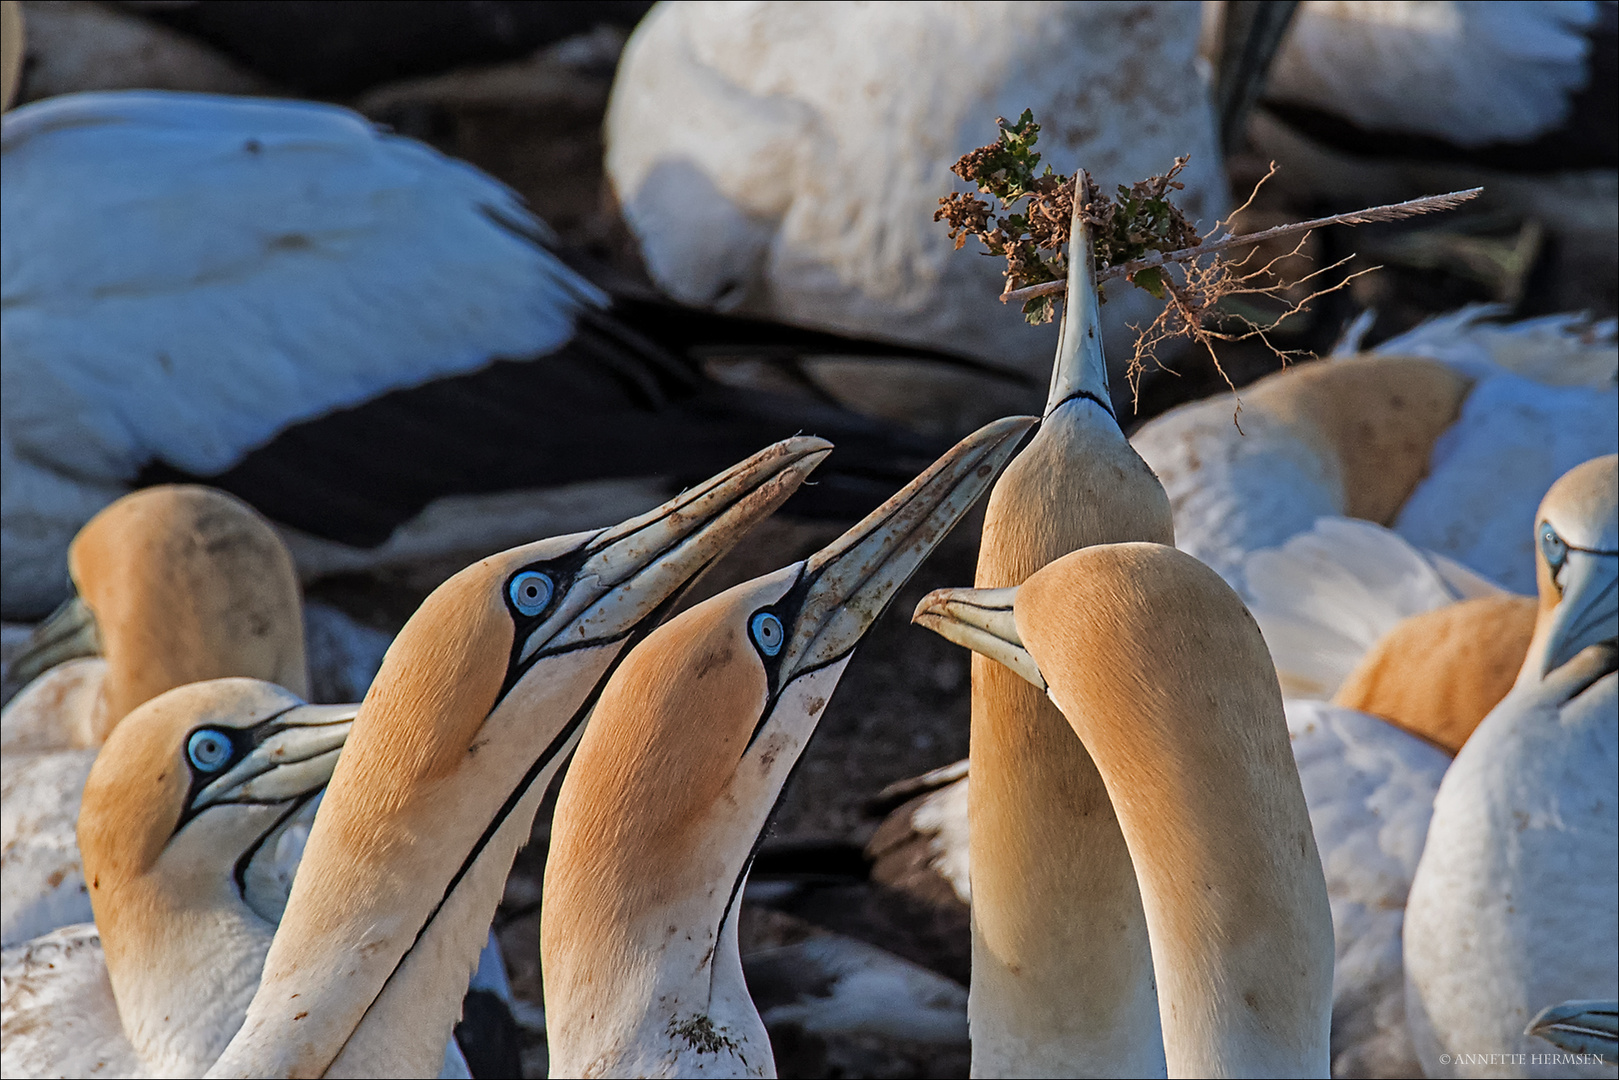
(295, 756)
(633, 569)
(68, 634)
(1580, 1027)
(1080, 370)
(981, 620)
(1588, 613)
(845, 586)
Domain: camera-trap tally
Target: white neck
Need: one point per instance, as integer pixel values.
(184, 988)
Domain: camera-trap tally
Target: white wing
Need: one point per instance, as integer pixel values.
(42, 882)
(1470, 73)
(1370, 790)
(834, 984)
(58, 1017)
(1326, 596)
(1491, 468)
(183, 276)
(1561, 350)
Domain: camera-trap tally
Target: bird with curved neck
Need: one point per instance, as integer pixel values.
(174, 585)
(1164, 677)
(1071, 994)
(481, 697)
(1505, 912)
(188, 830)
(671, 788)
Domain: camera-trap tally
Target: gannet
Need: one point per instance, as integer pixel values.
(1512, 904)
(1449, 435)
(787, 158)
(189, 830)
(1165, 678)
(671, 788)
(1077, 993)
(481, 697)
(336, 324)
(175, 584)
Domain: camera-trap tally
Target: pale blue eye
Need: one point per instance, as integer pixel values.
(767, 633)
(531, 592)
(1552, 548)
(208, 750)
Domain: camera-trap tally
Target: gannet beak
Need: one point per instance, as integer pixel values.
(1580, 1027)
(67, 634)
(981, 620)
(1080, 370)
(1588, 613)
(845, 586)
(627, 573)
(286, 757)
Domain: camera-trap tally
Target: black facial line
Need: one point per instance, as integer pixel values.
(565, 568)
(239, 872)
(645, 627)
(243, 741)
(1085, 395)
(758, 841)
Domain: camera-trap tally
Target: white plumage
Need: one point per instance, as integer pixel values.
(1472, 74)
(1369, 788)
(1326, 596)
(1513, 903)
(1237, 493)
(183, 276)
(787, 158)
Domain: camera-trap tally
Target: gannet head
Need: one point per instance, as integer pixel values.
(477, 703)
(1162, 673)
(672, 785)
(180, 830)
(1576, 565)
(176, 584)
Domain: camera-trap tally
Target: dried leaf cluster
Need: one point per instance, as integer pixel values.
(1141, 236)
(1033, 237)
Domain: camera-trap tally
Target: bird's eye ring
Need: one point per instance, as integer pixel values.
(1552, 548)
(767, 633)
(209, 750)
(531, 592)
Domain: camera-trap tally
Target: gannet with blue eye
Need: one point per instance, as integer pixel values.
(189, 830)
(481, 698)
(672, 786)
(1513, 902)
(1164, 676)
(174, 584)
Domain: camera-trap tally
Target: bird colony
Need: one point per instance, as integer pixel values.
(417, 620)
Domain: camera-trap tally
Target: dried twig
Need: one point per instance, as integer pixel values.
(1428, 204)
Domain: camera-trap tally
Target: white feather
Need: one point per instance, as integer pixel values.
(787, 158)
(41, 875)
(1326, 596)
(1470, 73)
(58, 1017)
(184, 276)
(1560, 350)
(1370, 789)
(1491, 468)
